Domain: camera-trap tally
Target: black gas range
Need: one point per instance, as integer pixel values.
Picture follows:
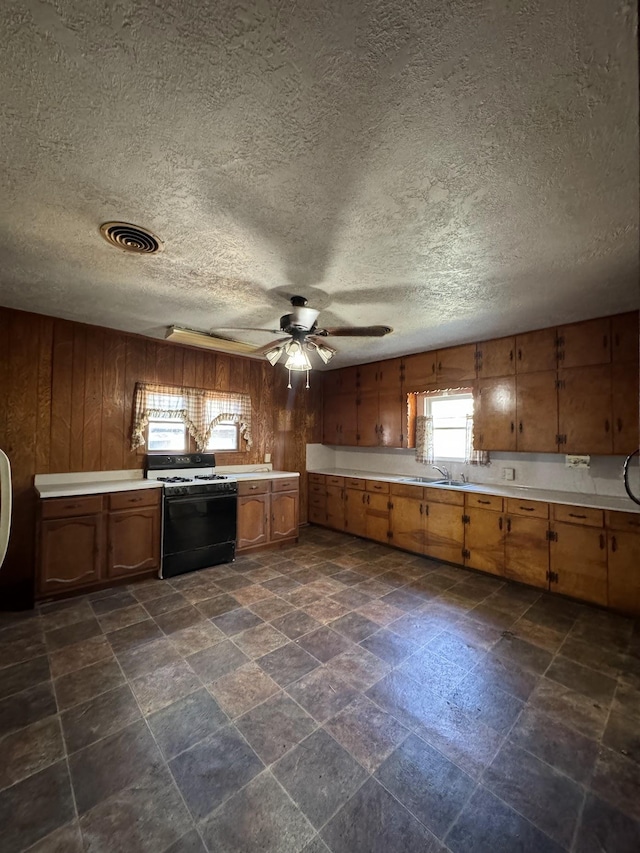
(199, 512)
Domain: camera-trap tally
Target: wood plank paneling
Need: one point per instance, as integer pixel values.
(135, 367)
(93, 399)
(78, 384)
(113, 434)
(222, 372)
(61, 393)
(43, 416)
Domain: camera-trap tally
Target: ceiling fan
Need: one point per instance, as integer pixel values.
(303, 335)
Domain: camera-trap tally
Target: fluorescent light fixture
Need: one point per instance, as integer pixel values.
(194, 338)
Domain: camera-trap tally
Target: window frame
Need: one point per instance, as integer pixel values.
(455, 393)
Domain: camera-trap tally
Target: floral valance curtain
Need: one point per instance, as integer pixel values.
(198, 409)
(474, 457)
(424, 439)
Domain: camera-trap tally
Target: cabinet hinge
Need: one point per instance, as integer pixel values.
(561, 384)
(389, 534)
(465, 519)
(561, 439)
(466, 553)
(552, 577)
(401, 438)
(389, 505)
(358, 437)
(559, 341)
(552, 536)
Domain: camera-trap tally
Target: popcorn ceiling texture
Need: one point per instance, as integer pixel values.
(457, 170)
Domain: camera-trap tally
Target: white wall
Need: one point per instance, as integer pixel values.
(535, 470)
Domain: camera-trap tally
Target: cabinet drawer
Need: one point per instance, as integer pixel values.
(317, 489)
(317, 515)
(622, 521)
(484, 501)
(334, 493)
(334, 481)
(318, 501)
(444, 496)
(403, 490)
(254, 487)
(291, 484)
(377, 486)
(127, 500)
(534, 509)
(356, 483)
(316, 478)
(68, 507)
(578, 515)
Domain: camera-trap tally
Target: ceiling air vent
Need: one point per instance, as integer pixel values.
(131, 238)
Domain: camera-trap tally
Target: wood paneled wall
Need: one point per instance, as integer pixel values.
(66, 404)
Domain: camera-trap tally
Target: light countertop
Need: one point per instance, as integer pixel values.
(622, 504)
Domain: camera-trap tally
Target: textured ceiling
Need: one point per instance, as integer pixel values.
(456, 170)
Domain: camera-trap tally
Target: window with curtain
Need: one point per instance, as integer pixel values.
(444, 427)
(164, 415)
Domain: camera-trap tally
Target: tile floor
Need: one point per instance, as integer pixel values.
(333, 696)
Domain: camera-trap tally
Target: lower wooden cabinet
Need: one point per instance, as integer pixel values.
(377, 517)
(408, 523)
(266, 514)
(335, 507)
(133, 542)
(578, 561)
(624, 571)
(355, 512)
(284, 516)
(484, 540)
(253, 521)
(526, 550)
(71, 553)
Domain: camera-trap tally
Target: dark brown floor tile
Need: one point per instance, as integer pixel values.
(295, 624)
(547, 798)
(163, 686)
(236, 621)
(261, 640)
(252, 594)
(359, 667)
(271, 609)
(325, 610)
(185, 722)
(229, 584)
(176, 620)
(488, 824)
(165, 604)
(122, 618)
(355, 626)
(440, 675)
(77, 655)
(623, 735)
(101, 716)
(189, 843)
(29, 750)
(216, 661)
(61, 637)
(570, 708)
(67, 839)
(214, 769)
(589, 682)
(610, 662)
(84, 684)
(143, 659)
(476, 633)
(113, 763)
(302, 596)
(367, 732)
(324, 643)
(201, 635)
(148, 590)
(352, 598)
(243, 689)
(259, 817)
(558, 745)
(320, 776)
(617, 780)
(538, 635)
(372, 821)
(456, 649)
(508, 676)
(425, 782)
(389, 647)
(627, 701)
(21, 676)
(287, 664)
(29, 706)
(606, 830)
(134, 636)
(275, 726)
(487, 703)
(35, 807)
(281, 585)
(217, 605)
(145, 816)
(419, 626)
(349, 577)
(522, 653)
(115, 601)
(381, 614)
(76, 611)
(540, 614)
(402, 598)
(322, 693)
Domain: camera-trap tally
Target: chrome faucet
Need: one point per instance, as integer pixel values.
(444, 471)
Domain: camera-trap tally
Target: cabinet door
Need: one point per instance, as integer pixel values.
(584, 410)
(578, 562)
(445, 532)
(484, 540)
(368, 414)
(330, 420)
(624, 337)
(536, 351)
(419, 371)
(624, 572)
(526, 553)
(284, 515)
(625, 395)
(355, 512)
(537, 412)
(408, 524)
(583, 344)
(133, 542)
(71, 552)
(494, 414)
(253, 521)
(346, 417)
(388, 375)
(335, 507)
(455, 365)
(390, 418)
(496, 358)
(377, 516)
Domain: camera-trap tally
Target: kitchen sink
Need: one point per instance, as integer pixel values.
(452, 483)
(417, 480)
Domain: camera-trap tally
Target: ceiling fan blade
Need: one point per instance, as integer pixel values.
(246, 329)
(271, 345)
(354, 332)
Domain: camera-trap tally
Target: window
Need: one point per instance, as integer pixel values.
(167, 435)
(450, 412)
(224, 436)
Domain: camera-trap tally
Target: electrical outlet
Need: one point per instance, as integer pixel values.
(508, 473)
(577, 461)
(267, 458)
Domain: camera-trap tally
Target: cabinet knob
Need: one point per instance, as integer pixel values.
(614, 544)
(602, 543)
(606, 425)
(513, 426)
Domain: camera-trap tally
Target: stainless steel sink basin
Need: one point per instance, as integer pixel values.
(420, 480)
(452, 483)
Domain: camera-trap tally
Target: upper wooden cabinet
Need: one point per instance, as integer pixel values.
(494, 420)
(584, 410)
(624, 337)
(584, 344)
(537, 412)
(496, 358)
(625, 394)
(419, 371)
(456, 365)
(536, 351)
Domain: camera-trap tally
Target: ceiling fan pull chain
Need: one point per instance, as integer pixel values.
(307, 379)
(289, 385)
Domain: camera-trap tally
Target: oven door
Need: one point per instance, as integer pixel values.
(199, 531)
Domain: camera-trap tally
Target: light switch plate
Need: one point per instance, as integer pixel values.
(577, 461)
(267, 458)
(508, 473)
